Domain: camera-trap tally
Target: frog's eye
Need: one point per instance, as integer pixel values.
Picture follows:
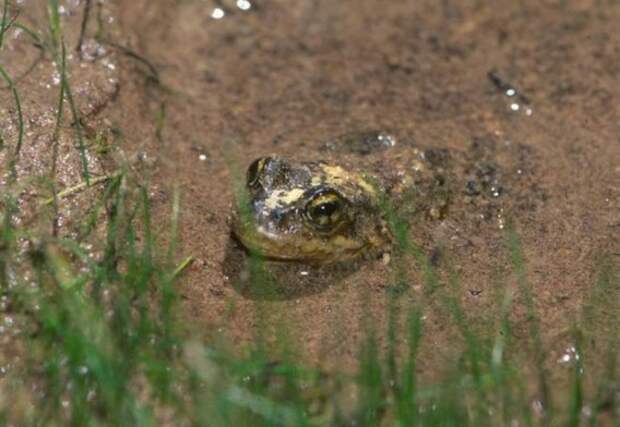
(325, 209)
(255, 170)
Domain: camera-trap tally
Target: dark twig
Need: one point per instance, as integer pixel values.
(505, 87)
(154, 74)
(83, 28)
(26, 72)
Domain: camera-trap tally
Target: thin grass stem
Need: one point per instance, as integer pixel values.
(78, 187)
(20, 123)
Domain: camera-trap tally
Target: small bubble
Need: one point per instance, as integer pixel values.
(218, 13)
(511, 92)
(570, 354)
(387, 140)
(514, 106)
(244, 4)
(501, 223)
(202, 157)
(304, 273)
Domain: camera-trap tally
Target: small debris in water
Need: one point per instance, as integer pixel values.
(475, 292)
(471, 188)
(385, 258)
(518, 100)
(538, 407)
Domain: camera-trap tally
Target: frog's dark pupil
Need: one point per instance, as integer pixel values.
(325, 209)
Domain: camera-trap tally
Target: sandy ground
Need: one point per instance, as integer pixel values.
(286, 77)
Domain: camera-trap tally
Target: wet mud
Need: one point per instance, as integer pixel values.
(516, 104)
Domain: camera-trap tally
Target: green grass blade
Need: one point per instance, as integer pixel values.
(518, 266)
(4, 24)
(20, 122)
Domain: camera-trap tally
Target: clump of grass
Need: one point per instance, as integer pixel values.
(101, 330)
(60, 56)
(105, 347)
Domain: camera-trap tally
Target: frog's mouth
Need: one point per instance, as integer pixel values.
(294, 247)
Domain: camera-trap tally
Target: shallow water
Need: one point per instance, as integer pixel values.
(537, 81)
(284, 79)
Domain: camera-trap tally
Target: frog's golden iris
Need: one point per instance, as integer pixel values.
(325, 210)
(310, 212)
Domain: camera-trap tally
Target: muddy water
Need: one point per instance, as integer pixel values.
(285, 78)
(537, 82)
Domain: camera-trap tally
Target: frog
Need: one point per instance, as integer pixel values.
(324, 212)
(314, 212)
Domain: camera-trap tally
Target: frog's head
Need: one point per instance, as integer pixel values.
(310, 212)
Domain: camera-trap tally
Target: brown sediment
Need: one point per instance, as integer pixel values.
(286, 78)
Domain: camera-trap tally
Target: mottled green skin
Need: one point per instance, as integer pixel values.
(276, 220)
